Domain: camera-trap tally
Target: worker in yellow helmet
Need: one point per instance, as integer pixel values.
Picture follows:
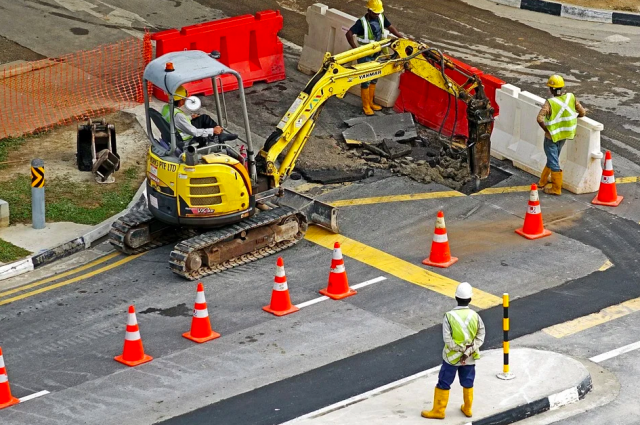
(199, 127)
(373, 26)
(559, 120)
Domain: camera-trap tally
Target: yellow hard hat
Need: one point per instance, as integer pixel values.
(375, 6)
(556, 82)
(181, 93)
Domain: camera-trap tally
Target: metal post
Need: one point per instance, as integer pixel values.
(37, 194)
(505, 375)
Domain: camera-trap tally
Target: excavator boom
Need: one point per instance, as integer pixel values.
(338, 74)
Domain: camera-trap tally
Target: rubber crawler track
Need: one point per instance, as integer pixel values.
(264, 218)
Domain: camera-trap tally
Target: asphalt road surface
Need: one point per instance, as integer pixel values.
(60, 335)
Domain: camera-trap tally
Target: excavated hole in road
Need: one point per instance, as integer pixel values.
(433, 159)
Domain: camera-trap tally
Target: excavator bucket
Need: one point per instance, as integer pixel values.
(319, 213)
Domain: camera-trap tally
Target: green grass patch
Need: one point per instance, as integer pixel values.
(8, 145)
(82, 203)
(10, 252)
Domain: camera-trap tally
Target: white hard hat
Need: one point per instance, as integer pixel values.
(464, 291)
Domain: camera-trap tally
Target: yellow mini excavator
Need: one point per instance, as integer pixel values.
(225, 210)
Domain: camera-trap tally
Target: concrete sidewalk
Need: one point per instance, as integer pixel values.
(544, 380)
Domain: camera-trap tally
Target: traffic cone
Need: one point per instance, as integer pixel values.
(338, 287)
(6, 399)
(607, 194)
(133, 352)
(280, 300)
(200, 324)
(533, 227)
(440, 255)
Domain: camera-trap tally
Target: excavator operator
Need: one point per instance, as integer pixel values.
(199, 127)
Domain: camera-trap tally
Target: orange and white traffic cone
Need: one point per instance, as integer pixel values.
(6, 399)
(440, 255)
(533, 227)
(200, 324)
(133, 352)
(607, 194)
(280, 299)
(338, 287)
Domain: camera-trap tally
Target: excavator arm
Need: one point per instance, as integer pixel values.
(338, 75)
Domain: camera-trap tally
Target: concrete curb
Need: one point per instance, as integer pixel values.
(76, 245)
(552, 402)
(574, 12)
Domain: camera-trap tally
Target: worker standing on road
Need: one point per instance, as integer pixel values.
(463, 334)
(373, 26)
(200, 126)
(559, 120)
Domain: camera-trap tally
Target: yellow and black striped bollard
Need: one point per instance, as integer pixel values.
(506, 374)
(37, 194)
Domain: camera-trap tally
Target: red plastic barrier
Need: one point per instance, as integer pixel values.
(428, 103)
(248, 44)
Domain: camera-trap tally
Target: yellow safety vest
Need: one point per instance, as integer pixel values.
(167, 116)
(464, 328)
(368, 36)
(563, 122)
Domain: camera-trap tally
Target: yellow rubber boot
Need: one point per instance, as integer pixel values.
(556, 184)
(440, 401)
(372, 94)
(544, 178)
(467, 395)
(366, 103)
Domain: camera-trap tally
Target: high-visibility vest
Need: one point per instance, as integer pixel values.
(167, 116)
(464, 328)
(368, 36)
(564, 119)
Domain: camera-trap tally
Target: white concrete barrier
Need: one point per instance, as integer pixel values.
(516, 136)
(326, 33)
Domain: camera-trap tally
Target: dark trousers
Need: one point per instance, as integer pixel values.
(466, 375)
(203, 121)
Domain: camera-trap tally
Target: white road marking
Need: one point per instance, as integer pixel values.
(358, 286)
(615, 353)
(34, 395)
(364, 396)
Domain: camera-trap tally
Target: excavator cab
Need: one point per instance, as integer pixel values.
(191, 185)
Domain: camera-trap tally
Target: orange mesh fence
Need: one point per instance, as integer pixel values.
(39, 95)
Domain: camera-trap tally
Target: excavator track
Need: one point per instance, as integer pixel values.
(135, 219)
(282, 214)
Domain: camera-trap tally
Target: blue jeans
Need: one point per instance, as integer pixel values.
(365, 60)
(466, 375)
(552, 150)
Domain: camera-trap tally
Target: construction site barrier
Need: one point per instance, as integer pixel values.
(326, 32)
(247, 44)
(518, 137)
(435, 108)
(39, 95)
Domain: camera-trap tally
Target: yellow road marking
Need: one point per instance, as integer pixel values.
(603, 316)
(397, 267)
(606, 266)
(397, 198)
(632, 179)
(73, 280)
(499, 190)
(59, 276)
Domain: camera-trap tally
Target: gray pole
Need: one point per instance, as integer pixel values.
(37, 194)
